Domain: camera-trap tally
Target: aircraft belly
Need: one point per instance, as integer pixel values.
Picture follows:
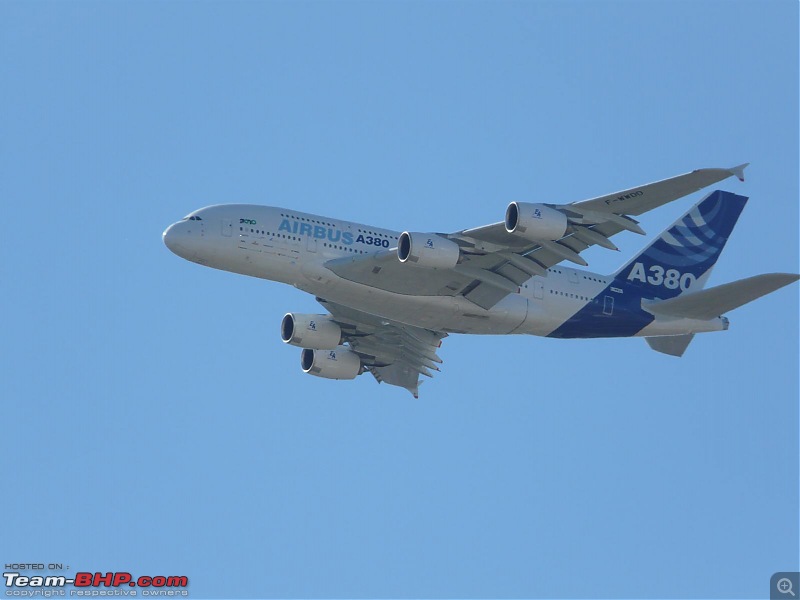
(544, 317)
(504, 317)
(429, 312)
(440, 313)
(261, 260)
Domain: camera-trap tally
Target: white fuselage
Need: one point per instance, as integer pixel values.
(292, 247)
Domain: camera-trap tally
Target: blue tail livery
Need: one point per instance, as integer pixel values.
(681, 258)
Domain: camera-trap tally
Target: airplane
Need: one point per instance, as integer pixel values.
(393, 296)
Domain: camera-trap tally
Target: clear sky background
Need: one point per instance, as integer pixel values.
(153, 422)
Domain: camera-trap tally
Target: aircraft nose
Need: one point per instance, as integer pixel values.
(185, 238)
(169, 237)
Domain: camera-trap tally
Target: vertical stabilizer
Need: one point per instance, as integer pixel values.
(674, 345)
(682, 257)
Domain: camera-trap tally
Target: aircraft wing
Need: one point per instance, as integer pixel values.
(494, 263)
(394, 353)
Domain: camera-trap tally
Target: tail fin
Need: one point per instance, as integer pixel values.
(674, 345)
(682, 256)
(707, 304)
(716, 301)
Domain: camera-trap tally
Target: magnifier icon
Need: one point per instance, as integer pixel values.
(785, 586)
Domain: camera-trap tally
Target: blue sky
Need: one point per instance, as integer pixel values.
(155, 423)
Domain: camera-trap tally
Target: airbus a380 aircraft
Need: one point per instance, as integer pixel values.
(393, 296)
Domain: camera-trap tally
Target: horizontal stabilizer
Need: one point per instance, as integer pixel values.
(674, 345)
(716, 301)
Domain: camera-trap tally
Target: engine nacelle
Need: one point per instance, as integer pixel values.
(427, 250)
(311, 331)
(338, 363)
(535, 222)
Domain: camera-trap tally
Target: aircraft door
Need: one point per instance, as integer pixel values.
(538, 289)
(227, 227)
(608, 305)
(311, 245)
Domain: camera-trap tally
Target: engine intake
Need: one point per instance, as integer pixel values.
(535, 222)
(337, 363)
(427, 250)
(319, 332)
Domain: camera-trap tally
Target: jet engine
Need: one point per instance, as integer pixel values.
(427, 250)
(311, 331)
(535, 222)
(338, 363)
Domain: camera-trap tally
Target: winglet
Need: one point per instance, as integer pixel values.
(739, 171)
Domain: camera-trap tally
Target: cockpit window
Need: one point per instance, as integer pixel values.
(195, 218)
